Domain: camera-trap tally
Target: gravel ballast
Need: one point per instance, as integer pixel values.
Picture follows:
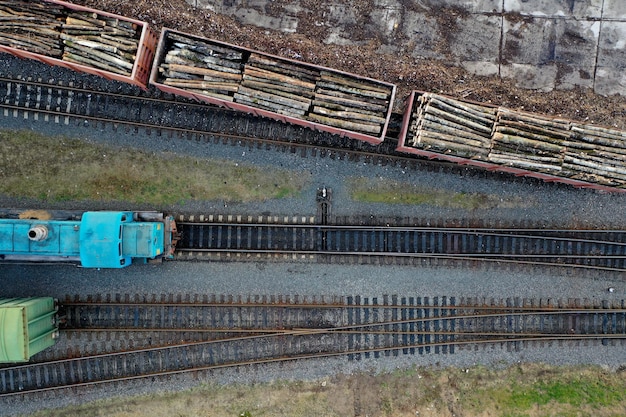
(544, 204)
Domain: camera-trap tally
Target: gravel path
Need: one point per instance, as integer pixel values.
(547, 203)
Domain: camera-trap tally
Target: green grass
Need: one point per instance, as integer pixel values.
(530, 390)
(573, 391)
(61, 169)
(393, 192)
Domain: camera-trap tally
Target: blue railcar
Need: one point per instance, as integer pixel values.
(99, 239)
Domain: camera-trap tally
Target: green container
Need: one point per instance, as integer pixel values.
(27, 326)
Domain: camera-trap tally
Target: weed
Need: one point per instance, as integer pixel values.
(61, 169)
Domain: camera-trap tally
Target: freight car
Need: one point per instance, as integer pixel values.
(520, 143)
(100, 239)
(27, 326)
(270, 86)
(434, 126)
(78, 38)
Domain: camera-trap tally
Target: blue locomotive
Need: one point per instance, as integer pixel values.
(99, 239)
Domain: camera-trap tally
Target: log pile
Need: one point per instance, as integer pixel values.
(596, 154)
(211, 70)
(350, 103)
(33, 27)
(81, 37)
(522, 140)
(273, 84)
(529, 141)
(449, 126)
(277, 85)
(100, 42)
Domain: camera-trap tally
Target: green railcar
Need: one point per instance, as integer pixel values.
(27, 326)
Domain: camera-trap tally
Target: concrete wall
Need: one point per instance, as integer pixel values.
(542, 44)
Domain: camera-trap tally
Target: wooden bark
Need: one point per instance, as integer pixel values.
(480, 111)
(443, 144)
(557, 124)
(203, 71)
(348, 115)
(79, 59)
(354, 82)
(351, 102)
(468, 124)
(273, 98)
(344, 124)
(298, 71)
(339, 107)
(367, 100)
(434, 124)
(506, 130)
(353, 90)
(475, 145)
(269, 75)
(201, 85)
(274, 89)
(525, 164)
(529, 143)
(268, 105)
(280, 89)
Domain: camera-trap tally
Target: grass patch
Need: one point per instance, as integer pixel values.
(394, 192)
(530, 390)
(61, 169)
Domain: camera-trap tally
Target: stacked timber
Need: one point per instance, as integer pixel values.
(444, 125)
(212, 70)
(529, 141)
(101, 42)
(86, 38)
(276, 85)
(282, 86)
(596, 154)
(350, 103)
(33, 27)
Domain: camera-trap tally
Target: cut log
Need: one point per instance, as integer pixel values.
(295, 93)
(344, 124)
(356, 83)
(353, 90)
(283, 67)
(203, 71)
(273, 89)
(528, 143)
(348, 115)
(269, 75)
(433, 124)
(273, 98)
(351, 102)
(468, 124)
(267, 105)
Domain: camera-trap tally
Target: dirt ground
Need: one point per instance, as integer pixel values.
(363, 59)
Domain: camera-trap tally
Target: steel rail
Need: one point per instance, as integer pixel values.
(307, 356)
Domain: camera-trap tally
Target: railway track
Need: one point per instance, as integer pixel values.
(162, 115)
(245, 331)
(599, 249)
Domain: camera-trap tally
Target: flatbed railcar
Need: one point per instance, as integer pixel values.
(121, 48)
(519, 143)
(99, 239)
(27, 327)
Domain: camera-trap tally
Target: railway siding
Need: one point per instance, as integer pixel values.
(602, 249)
(257, 330)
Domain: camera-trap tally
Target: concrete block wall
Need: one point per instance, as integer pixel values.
(542, 44)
